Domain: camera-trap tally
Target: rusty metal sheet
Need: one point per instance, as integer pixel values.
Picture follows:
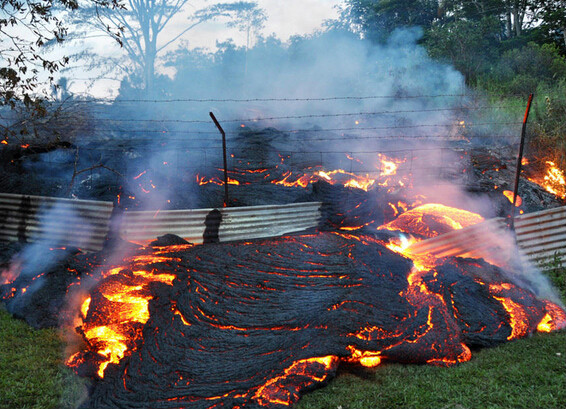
(54, 221)
(238, 223)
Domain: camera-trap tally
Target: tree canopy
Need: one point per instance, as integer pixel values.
(473, 35)
(518, 18)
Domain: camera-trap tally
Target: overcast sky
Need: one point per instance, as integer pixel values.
(284, 19)
(289, 17)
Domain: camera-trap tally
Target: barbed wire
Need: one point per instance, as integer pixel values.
(348, 137)
(467, 124)
(175, 149)
(307, 116)
(274, 99)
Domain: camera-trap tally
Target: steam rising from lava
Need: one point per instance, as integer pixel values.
(348, 100)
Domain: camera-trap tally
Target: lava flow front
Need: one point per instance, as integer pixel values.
(257, 323)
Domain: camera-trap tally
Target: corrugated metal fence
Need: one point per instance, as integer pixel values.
(54, 221)
(236, 223)
(85, 224)
(540, 236)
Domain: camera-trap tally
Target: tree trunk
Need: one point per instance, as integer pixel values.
(149, 69)
(148, 76)
(517, 18)
(508, 22)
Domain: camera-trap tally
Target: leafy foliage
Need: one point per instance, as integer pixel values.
(553, 17)
(377, 19)
(470, 45)
(26, 28)
(548, 139)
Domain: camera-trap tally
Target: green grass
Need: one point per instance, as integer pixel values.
(32, 373)
(528, 373)
(555, 270)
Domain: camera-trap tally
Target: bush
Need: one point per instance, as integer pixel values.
(522, 70)
(469, 45)
(548, 127)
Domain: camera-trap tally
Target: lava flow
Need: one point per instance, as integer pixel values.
(258, 323)
(385, 170)
(120, 303)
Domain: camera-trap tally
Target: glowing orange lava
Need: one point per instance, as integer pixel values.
(554, 319)
(368, 359)
(202, 180)
(10, 274)
(432, 219)
(128, 302)
(509, 195)
(316, 369)
(385, 167)
(555, 181)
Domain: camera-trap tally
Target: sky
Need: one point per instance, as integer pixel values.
(284, 20)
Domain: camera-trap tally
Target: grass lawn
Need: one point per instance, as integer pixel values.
(528, 373)
(32, 373)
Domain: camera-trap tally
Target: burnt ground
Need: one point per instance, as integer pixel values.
(144, 174)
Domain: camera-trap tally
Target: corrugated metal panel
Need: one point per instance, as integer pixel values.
(540, 236)
(58, 222)
(238, 223)
(477, 239)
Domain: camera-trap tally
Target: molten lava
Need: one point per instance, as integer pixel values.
(554, 180)
(260, 322)
(384, 175)
(509, 195)
(123, 297)
(430, 220)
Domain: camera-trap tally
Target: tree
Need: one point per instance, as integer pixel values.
(469, 45)
(138, 28)
(553, 16)
(246, 16)
(381, 17)
(26, 28)
(377, 19)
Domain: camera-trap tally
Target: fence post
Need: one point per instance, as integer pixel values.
(224, 157)
(520, 162)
